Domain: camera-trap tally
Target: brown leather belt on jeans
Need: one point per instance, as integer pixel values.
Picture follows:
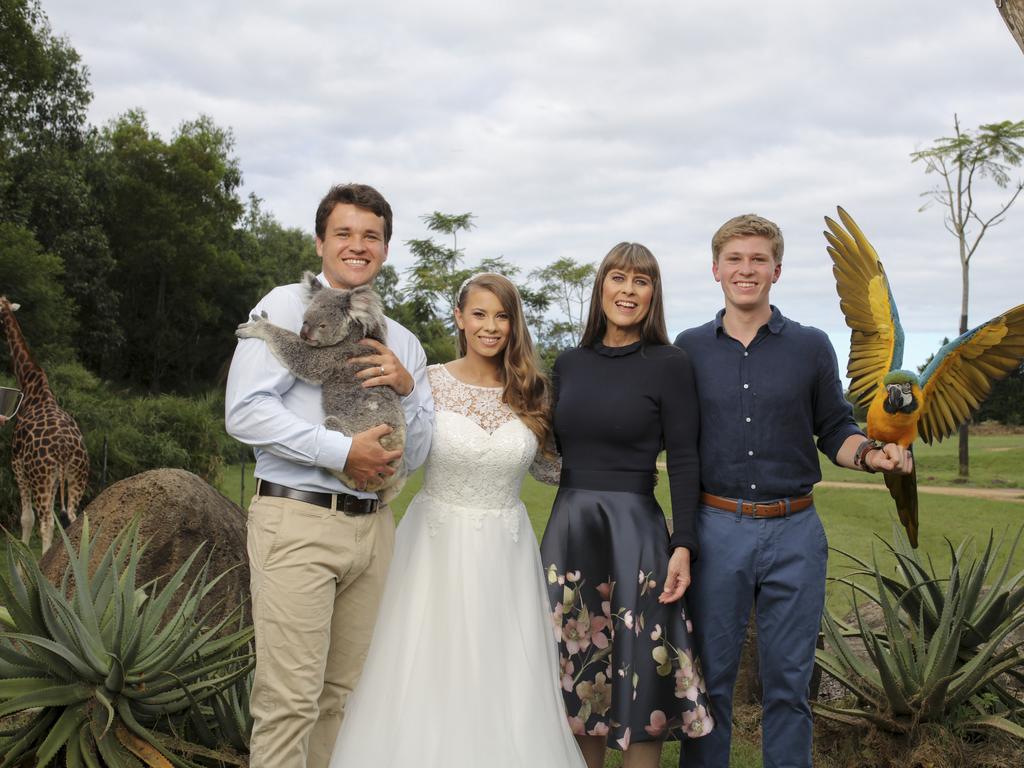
(759, 508)
(347, 503)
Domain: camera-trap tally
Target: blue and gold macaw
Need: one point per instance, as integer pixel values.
(902, 406)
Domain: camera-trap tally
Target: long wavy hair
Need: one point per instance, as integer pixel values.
(525, 387)
(629, 257)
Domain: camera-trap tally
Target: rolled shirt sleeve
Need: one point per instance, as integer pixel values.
(833, 414)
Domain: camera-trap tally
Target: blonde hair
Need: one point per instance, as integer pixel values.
(748, 225)
(525, 387)
(629, 257)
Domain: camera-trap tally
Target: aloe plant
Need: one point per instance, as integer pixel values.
(941, 651)
(99, 673)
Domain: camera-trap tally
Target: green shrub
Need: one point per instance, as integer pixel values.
(141, 433)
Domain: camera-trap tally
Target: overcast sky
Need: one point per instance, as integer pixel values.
(568, 127)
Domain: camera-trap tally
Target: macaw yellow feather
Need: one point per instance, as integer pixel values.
(963, 372)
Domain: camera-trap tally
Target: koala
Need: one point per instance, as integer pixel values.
(332, 326)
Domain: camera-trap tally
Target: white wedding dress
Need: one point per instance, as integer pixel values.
(463, 671)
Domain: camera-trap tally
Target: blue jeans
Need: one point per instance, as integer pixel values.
(778, 564)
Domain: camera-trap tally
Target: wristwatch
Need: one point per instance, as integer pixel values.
(862, 452)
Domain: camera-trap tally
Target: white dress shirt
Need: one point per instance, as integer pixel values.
(282, 417)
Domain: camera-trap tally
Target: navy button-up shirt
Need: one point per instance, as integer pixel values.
(761, 407)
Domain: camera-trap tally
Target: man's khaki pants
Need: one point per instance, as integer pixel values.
(317, 576)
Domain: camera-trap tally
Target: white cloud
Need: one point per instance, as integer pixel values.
(569, 127)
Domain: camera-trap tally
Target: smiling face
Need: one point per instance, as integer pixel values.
(625, 301)
(746, 268)
(486, 324)
(353, 248)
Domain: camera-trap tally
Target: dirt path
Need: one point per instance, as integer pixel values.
(1015, 495)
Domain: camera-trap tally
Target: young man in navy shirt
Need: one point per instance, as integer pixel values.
(769, 393)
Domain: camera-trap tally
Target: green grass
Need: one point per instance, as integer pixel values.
(997, 461)
(852, 518)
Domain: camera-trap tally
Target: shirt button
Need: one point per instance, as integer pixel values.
(746, 386)
(748, 419)
(753, 486)
(750, 453)
(746, 354)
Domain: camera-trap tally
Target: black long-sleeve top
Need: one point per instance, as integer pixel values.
(617, 407)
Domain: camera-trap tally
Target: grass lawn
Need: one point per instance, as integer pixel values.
(852, 518)
(997, 461)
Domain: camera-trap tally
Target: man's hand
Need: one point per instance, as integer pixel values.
(892, 459)
(367, 459)
(383, 369)
(678, 578)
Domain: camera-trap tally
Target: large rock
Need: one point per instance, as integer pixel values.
(178, 511)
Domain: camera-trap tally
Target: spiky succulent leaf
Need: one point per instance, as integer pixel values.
(104, 661)
(941, 646)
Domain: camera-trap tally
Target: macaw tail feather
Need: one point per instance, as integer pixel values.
(903, 489)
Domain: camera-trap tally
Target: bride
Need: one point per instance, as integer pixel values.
(463, 669)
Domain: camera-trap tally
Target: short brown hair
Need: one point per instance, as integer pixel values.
(748, 225)
(629, 257)
(359, 195)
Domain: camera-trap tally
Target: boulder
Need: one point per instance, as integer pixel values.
(177, 511)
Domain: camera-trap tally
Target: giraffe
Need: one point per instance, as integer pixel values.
(47, 451)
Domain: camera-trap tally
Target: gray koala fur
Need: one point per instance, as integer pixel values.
(332, 326)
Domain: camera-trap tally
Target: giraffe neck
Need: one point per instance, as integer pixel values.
(31, 378)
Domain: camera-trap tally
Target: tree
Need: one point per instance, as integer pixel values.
(33, 278)
(44, 163)
(44, 89)
(1005, 404)
(437, 273)
(568, 284)
(170, 210)
(1012, 12)
(962, 162)
(272, 254)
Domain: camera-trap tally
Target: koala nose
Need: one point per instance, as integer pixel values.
(304, 333)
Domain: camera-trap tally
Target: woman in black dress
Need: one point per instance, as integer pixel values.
(629, 674)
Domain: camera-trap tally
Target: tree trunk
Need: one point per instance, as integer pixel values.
(1012, 12)
(965, 463)
(748, 688)
(748, 680)
(965, 459)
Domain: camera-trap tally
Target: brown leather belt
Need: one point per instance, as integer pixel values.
(759, 508)
(347, 503)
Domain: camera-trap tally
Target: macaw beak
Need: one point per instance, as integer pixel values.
(895, 398)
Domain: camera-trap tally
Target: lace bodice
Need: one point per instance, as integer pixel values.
(479, 455)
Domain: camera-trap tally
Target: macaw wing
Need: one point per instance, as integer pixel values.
(962, 373)
(876, 340)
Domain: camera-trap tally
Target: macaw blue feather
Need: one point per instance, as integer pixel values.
(944, 350)
(897, 346)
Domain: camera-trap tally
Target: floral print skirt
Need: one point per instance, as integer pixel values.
(628, 668)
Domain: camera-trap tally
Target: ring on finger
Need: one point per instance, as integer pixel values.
(382, 370)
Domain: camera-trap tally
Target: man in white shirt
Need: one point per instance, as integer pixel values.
(318, 550)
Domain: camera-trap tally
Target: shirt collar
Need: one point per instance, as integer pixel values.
(775, 323)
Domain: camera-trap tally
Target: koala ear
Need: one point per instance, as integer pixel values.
(312, 284)
(365, 308)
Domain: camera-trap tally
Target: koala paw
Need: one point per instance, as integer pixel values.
(252, 329)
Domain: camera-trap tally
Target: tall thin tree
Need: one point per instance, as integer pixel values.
(962, 162)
